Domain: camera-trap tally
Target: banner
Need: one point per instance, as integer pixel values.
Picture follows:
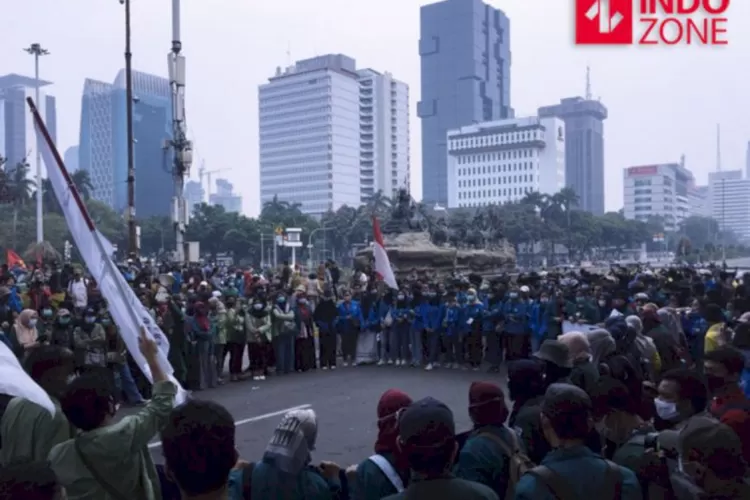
(127, 311)
(569, 326)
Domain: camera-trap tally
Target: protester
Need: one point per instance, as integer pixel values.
(30, 481)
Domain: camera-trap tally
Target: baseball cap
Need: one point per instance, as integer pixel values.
(427, 422)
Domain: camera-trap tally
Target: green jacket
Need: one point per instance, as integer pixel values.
(257, 327)
(219, 321)
(278, 318)
(29, 431)
(447, 487)
(118, 452)
(372, 483)
(585, 375)
(235, 327)
(528, 425)
(587, 310)
(309, 485)
(483, 461)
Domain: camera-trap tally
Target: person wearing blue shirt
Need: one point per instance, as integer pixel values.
(472, 329)
(539, 321)
(491, 323)
(452, 331)
(516, 313)
(384, 308)
(349, 322)
(434, 312)
(695, 327)
(402, 319)
(419, 306)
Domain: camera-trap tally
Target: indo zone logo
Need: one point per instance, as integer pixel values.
(655, 22)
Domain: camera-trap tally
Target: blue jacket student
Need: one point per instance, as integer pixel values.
(472, 317)
(539, 319)
(350, 314)
(419, 306)
(516, 313)
(451, 323)
(493, 312)
(433, 313)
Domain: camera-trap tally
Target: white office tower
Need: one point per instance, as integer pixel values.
(698, 202)
(309, 134)
(501, 161)
(383, 134)
(661, 190)
(729, 202)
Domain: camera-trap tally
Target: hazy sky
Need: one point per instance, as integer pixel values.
(663, 102)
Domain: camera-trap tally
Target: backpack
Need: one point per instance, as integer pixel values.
(518, 462)
(560, 488)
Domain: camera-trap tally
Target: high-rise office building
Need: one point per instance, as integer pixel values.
(500, 162)
(194, 194)
(103, 142)
(226, 197)
(661, 190)
(464, 49)
(331, 135)
(384, 160)
(729, 202)
(584, 149)
(17, 135)
(70, 158)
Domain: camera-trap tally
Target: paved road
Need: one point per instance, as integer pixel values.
(345, 401)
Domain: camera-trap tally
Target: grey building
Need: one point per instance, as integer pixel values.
(17, 136)
(70, 158)
(464, 49)
(584, 148)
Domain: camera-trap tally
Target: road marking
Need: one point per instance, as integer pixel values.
(250, 420)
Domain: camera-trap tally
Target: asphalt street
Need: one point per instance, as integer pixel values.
(344, 400)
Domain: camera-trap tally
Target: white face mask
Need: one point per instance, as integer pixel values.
(32, 323)
(665, 409)
(602, 303)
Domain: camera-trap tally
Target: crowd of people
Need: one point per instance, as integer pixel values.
(630, 384)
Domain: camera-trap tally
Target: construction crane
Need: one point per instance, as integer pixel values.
(203, 172)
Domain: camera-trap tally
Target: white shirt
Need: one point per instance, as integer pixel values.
(77, 290)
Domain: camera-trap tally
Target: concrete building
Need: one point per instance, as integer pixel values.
(729, 202)
(331, 135)
(658, 191)
(698, 201)
(501, 161)
(464, 48)
(226, 197)
(103, 142)
(194, 194)
(70, 158)
(17, 135)
(584, 140)
(384, 160)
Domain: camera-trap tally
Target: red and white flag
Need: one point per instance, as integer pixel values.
(382, 263)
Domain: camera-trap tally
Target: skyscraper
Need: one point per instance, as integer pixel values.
(17, 136)
(465, 56)
(584, 148)
(384, 161)
(226, 197)
(194, 194)
(70, 158)
(331, 135)
(103, 142)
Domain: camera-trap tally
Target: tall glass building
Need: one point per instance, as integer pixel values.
(464, 49)
(103, 142)
(17, 135)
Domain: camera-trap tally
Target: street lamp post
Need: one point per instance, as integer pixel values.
(37, 51)
(132, 232)
(310, 245)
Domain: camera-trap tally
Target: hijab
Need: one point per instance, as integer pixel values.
(602, 345)
(25, 334)
(201, 316)
(391, 403)
(578, 346)
(487, 404)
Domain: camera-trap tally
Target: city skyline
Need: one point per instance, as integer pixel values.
(686, 93)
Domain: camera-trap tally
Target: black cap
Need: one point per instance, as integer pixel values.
(562, 399)
(426, 422)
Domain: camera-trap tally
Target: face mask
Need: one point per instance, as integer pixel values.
(302, 301)
(258, 306)
(106, 322)
(400, 297)
(665, 409)
(281, 300)
(47, 313)
(602, 303)
(471, 297)
(544, 300)
(64, 320)
(32, 323)
(90, 319)
(513, 295)
(579, 299)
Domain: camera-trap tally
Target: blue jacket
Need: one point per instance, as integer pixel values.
(14, 301)
(452, 320)
(694, 325)
(491, 315)
(420, 313)
(433, 316)
(472, 313)
(539, 319)
(517, 314)
(348, 313)
(402, 317)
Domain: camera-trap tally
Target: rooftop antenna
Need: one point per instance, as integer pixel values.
(588, 83)
(718, 147)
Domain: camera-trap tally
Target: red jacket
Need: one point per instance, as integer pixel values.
(733, 409)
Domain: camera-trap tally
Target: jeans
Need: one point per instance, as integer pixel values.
(454, 352)
(400, 345)
(385, 344)
(284, 349)
(494, 349)
(433, 345)
(415, 340)
(127, 384)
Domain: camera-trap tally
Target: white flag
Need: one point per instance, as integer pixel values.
(14, 381)
(127, 311)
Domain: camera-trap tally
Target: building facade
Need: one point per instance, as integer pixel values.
(698, 201)
(103, 142)
(584, 140)
(384, 160)
(464, 49)
(194, 195)
(17, 135)
(502, 161)
(226, 197)
(729, 202)
(661, 190)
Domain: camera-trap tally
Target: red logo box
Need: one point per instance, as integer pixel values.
(604, 22)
